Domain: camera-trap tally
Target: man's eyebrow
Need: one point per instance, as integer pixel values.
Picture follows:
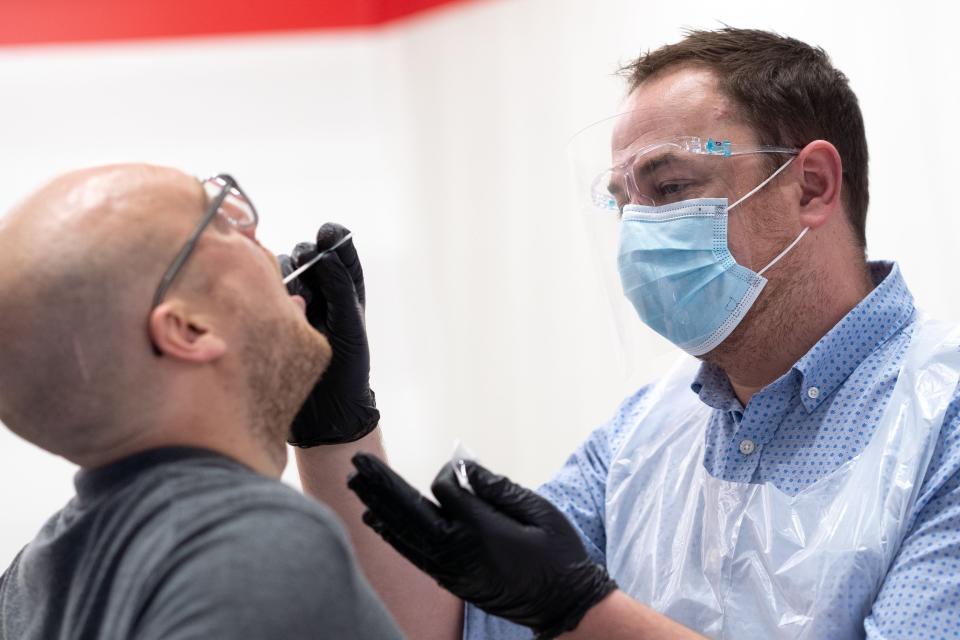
(653, 164)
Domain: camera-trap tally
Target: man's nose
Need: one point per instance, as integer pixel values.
(250, 231)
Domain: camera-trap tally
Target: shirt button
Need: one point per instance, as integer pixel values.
(747, 447)
(813, 393)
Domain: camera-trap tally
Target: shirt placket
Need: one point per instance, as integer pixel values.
(758, 424)
(745, 448)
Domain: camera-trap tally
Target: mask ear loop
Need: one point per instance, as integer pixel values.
(785, 251)
(753, 191)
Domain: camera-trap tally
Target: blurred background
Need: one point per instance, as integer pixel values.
(437, 132)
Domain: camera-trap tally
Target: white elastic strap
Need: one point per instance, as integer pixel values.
(785, 251)
(762, 184)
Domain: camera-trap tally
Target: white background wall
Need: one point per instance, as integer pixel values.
(440, 142)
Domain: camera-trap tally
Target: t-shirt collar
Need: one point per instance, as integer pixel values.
(93, 483)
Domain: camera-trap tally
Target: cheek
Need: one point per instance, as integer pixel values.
(262, 269)
(739, 239)
(271, 261)
(758, 230)
(254, 285)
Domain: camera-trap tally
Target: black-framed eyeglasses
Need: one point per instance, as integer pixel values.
(227, 199)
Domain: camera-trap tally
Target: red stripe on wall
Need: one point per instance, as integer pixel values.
(51, 21)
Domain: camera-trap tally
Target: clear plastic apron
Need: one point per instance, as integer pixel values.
(735, 560)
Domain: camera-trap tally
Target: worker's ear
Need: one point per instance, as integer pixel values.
(179, 334)
(821, 178)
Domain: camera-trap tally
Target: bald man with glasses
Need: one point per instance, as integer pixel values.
(157, 348)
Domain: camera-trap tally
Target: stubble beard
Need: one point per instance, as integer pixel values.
(285, 359)
(766, 325)
(792, 292)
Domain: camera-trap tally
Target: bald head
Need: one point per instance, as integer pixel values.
(79, 262)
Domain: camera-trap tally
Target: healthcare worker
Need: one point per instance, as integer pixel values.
(796, 475)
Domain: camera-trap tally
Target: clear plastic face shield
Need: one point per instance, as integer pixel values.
(620, 170)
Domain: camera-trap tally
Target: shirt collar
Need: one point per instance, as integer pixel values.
(877, 318)
(713, 387)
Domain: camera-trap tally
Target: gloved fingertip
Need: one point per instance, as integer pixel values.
(364, 462)
(286, 264)
(352, 479)
(479, 475)
(457, 501)
(303, 252)
(445, 482)
(375, 473)
(489, 486)
(371, 520)
(360, 485)
(368, 493)
(329, 234)
(294, 287)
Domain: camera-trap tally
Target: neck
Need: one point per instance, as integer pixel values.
(786, 323)
(213, 425)
(246, 453)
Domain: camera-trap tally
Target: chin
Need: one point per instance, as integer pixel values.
(284, 361)
(322, 352)
(308, 358)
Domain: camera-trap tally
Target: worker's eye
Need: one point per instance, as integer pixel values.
(673, 190)
(672, 187)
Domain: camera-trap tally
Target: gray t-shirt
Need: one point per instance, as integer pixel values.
(180, 544)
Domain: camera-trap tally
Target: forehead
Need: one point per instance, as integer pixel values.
(123, 199)
(684, 102)
(175, 204)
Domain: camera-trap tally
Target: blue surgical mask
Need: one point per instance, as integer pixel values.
(677, 270)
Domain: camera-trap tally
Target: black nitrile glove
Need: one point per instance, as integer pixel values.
(341, 408)
(505, 549)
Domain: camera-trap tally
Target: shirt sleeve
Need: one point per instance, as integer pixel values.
(578, 490)
(920, 596)
(271, 573)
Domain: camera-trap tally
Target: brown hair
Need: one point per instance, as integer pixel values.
(788, 91)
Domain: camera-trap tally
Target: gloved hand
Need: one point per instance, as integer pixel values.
(341, 407)
(505, 549)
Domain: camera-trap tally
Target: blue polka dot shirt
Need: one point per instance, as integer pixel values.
(805, 424)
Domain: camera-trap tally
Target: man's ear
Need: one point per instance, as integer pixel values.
(178, 334)
(821, 179)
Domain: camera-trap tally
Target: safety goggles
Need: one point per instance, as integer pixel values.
(682, 168)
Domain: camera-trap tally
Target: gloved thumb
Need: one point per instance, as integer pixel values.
(514, 500)
(498, 501)
(463, 505)
(329, 234)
